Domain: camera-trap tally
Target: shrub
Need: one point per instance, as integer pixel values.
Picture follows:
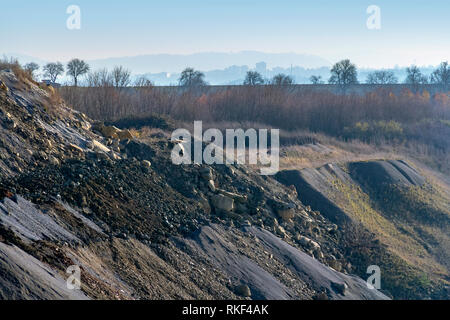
(387, 130)
(13, 65)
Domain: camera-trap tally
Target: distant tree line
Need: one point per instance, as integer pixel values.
(345, 73)
(342, 73)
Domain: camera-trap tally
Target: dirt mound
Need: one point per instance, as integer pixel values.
(395, 203)
(387, 172)
(312, 276)
(314, 186)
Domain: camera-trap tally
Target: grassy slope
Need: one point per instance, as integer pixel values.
(411, 222)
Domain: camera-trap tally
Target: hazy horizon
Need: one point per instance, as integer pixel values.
(220, 68)
(411, 32)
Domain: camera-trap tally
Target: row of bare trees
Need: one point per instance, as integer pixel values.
(282, 107)
(52, 70)
(343, 73)
(119, 77)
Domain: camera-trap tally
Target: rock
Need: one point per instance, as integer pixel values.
(292, 191)
(246, 223)
(319, 255)
(307, 242)
(230, 170)
(315, 213)
(83, 201)
(48, 143)
(211, 185)
(336, 265)
(112, 132)
(348, 267)
(107, 131)
(272, 222)
(284, 210)
(146, 163)
(3, 86)
(285, 214)
(241, 208)
(43, 155)
(115, 143)
(316, 230)
(102, 156)
(99, 147)
(124, 134)
(234, 196)
(339, 287)
(122, 235)
(219, 201)
(206, 173)
(314, 245)
(321, 296)
(113, 155)
(307, 221)
(304, 241)
(53, 160)
(205, 204)
(87, 211)
(11, 124)
(280, 231)
(75, 148)
(243, 291)
(332, 229)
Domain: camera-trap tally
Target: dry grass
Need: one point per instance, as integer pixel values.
(358, 205)
(22, 75)
(273, 106)
(405, 123)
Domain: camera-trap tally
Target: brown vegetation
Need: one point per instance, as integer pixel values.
(273, 105)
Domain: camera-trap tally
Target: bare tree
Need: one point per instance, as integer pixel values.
(121, 77)
(142, 81)
(253, 78)
(441, 75)
(31, 68)
(99, 78)
(381, 77)
(316, 80)
(53, 70)
(191, 78)
(76, 68)
(282, 80)
(343, 73)
(414, 76)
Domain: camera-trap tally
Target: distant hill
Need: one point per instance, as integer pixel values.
(207, 61)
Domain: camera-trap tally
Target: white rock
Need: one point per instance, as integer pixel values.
(222, 202)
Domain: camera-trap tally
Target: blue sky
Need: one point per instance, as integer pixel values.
(413, 31)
